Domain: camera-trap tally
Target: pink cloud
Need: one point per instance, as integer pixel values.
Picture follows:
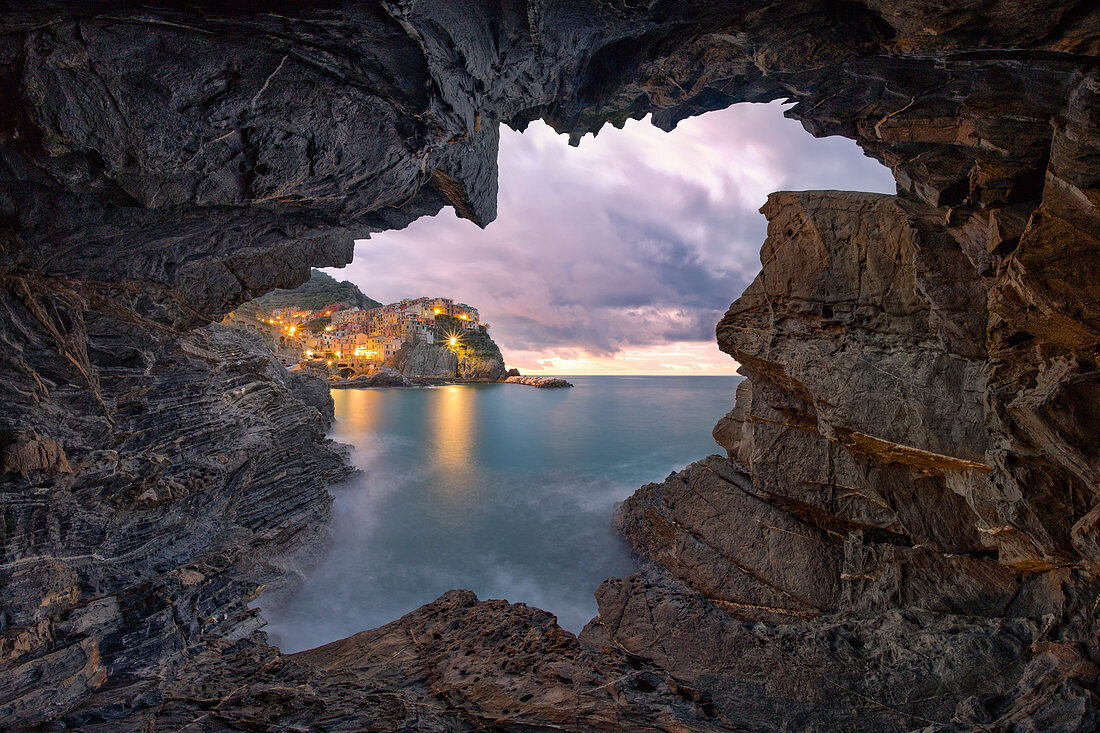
(616, 250)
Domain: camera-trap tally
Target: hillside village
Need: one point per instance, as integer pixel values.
(332, 329)
(374, 334)
(344, 339)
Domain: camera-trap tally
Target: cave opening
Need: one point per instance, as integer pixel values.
(902, 529)
(614, 258)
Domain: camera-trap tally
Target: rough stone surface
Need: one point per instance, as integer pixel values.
(207, 478)
(383, 377)
(895, 671)
(858, 526)
(482, 367)
(434, 361)
(426, 361)
(923, 397)
(453, 665)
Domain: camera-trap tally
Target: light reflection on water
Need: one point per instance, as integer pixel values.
(452, 447)
(503, 489)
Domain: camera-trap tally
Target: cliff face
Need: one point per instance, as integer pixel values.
(481, 359)
(433, 361)
(487, 367)
(129, 547)
(426, 360)
(859, 515)
(908, 535)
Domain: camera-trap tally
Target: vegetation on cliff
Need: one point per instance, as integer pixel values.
(474, 343)
(317, 292)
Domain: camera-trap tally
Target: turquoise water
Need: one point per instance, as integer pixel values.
(504, 489)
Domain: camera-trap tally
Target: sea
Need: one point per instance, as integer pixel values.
(504, 489)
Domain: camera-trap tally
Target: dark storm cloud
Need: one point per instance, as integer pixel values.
(637, 238)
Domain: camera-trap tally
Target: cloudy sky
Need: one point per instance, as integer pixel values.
(620, 255)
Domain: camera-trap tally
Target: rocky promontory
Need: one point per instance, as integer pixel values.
(469, 362)
(904, 533)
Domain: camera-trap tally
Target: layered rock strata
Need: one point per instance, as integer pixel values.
(453, 665)
(855, 523)
(163, 163)
(130, 546)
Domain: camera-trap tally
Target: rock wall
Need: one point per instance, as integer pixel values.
(913, 489)
(855, 519)
(481, 365)
(431, 361)
(130, 546)
(427, 361)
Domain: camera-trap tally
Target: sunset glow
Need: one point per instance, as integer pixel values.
(621, 255)
(680, 358)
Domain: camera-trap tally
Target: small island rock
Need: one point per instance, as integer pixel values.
(540, 382)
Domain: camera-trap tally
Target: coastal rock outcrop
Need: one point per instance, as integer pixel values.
(921, 411)
(901, 670)
(435, 361)
(540, 382)
(456, 664)
(858, 515)
(383, 377)
(426, 361)
(479, 357)
(481, 367)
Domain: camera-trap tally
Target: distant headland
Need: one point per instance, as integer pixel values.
(332, 329)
